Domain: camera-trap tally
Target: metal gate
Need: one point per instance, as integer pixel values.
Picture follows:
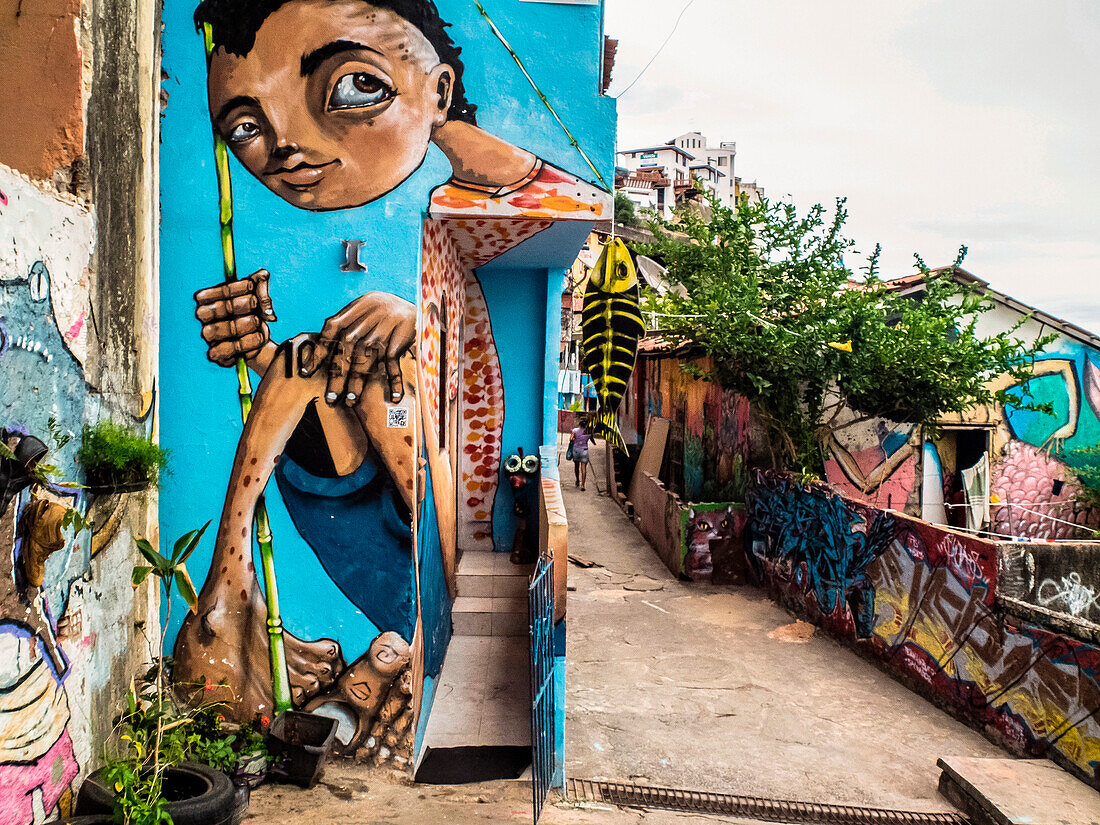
(540, 602)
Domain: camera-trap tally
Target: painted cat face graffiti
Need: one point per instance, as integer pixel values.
(334, 103)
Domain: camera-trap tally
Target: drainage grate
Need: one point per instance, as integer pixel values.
(769, 810)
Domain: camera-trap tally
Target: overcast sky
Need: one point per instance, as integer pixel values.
(944, 122)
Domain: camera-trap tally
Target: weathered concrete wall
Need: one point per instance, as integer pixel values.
(1062, 578)
(922, 601)
(657, 514)
(77, 345)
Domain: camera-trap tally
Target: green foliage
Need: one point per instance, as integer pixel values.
(1085, 466)
(788, 326)
(154, 732)
(625, 213)
(113, 455)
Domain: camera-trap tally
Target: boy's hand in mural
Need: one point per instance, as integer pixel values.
(235, 317)
(371, 332)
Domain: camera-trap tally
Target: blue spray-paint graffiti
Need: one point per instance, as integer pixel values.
(825, 544)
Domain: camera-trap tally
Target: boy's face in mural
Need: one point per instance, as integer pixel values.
(335, 104)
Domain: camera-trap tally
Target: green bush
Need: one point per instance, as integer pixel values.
(1085, 466)
(113, 455)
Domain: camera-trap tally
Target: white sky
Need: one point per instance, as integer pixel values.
(944, 122)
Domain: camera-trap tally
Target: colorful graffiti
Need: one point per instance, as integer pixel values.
(383, 423)
(921, 599)
(714, 426)
(45, 245)
(1033, 488)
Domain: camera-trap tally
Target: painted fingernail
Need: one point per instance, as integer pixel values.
(331, 397)
(351, 399)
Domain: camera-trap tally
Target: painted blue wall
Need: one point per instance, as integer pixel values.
(516, 300)
(200, 418)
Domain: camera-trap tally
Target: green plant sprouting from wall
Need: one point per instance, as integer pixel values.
(112, 454)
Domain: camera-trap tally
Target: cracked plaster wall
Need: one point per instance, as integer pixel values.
(78, 343)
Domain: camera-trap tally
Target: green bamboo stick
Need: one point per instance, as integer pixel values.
(280, 676)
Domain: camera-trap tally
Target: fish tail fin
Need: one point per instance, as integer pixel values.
(607, 426)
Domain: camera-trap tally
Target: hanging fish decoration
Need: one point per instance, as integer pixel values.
(611, 326)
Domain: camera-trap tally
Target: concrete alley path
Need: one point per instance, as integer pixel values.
(683, 686)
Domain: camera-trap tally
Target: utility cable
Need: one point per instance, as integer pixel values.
(541, 95)
(660, 49)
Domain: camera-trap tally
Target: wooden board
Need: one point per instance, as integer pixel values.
(1017, 792)
(653, 451)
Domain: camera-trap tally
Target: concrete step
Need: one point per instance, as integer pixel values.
(1017, 791)
(492, 576)
(488, 616)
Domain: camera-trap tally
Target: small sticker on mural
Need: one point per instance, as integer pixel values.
(397, 418)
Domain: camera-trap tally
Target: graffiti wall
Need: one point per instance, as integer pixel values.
(67, 610)
(921, 599)
(709, 437)
(399, 198)
(1032, 488)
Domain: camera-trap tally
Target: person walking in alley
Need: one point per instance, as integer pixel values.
(578, 446)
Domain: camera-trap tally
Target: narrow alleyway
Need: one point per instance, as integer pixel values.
(708, 688)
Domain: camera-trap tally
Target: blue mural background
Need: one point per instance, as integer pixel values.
(200, 419)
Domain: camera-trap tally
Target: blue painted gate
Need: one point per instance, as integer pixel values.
(540, 600)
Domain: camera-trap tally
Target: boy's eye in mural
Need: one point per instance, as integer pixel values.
(359, 91)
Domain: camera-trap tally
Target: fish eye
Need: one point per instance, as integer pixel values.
(360, 90)
(531, 464)
(244, 131)
(513, 464)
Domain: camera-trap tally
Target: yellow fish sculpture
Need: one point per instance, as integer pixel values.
(611, 326)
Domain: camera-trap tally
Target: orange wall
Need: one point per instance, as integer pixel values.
(42, 128)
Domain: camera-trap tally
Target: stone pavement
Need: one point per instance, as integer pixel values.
(704, 687)
(684, 686)
(350, 795)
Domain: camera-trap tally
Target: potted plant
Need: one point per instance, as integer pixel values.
(149, 780)
(117, 460)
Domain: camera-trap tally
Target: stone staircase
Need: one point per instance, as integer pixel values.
(492, 596)
(482, 700)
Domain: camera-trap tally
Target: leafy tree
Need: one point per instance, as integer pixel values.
(1085, 466)
(771, 299)
(625, 214)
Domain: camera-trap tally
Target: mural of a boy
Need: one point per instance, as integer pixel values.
(332, 104)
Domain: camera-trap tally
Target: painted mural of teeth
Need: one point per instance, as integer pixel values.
(34, 347)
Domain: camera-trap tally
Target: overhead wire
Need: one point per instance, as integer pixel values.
(540, 94)
(660, 49)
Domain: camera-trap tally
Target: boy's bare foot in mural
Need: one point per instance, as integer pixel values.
(359, 694)
(222, 652)
(226, 641)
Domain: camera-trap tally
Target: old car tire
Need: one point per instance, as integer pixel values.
(209, 800)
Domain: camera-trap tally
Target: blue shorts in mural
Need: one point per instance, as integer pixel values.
(359, 529)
